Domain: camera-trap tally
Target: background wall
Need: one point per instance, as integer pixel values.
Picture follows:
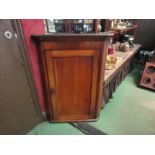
(34, 26)
(146, 34)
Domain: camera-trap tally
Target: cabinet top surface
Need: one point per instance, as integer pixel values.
(72, 36)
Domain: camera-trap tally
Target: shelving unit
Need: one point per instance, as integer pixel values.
(109, 74)
(73, 25)
(89, 26)
(106, 26)
(126, 29)
(114, 77)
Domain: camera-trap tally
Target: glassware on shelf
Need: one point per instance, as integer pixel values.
(111, 59)
(50, 25)
(99, 27)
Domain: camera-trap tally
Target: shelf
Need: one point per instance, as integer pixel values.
(123, 30)
(126, 29)
(109, 74)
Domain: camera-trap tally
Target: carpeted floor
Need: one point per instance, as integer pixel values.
(130, 111)
(47, 128)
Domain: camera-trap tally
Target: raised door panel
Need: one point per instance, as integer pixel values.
(72, 77)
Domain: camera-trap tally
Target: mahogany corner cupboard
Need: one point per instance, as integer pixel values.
(72, 67)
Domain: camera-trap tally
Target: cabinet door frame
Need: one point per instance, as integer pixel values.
(51, 55)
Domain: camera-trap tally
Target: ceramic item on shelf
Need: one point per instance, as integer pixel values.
(121, 46)
(117, 46)
(99, 27)
(126, 47)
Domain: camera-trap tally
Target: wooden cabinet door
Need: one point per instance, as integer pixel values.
(72, 79)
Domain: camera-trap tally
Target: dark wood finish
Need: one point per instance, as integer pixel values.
(68, 25)
(106, 23)
(148, 78)
(18, 112)
(153, 57)
(96, 24)
(73, 70)
(73, 37)
(128, 29)
(106, 26)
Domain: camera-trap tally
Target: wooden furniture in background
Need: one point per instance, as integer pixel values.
(74, 25)
(148, 77)
(72, 68)
(153, 57)
(106, 26)
(70, 26)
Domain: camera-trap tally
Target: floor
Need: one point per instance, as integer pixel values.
(130, 111)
